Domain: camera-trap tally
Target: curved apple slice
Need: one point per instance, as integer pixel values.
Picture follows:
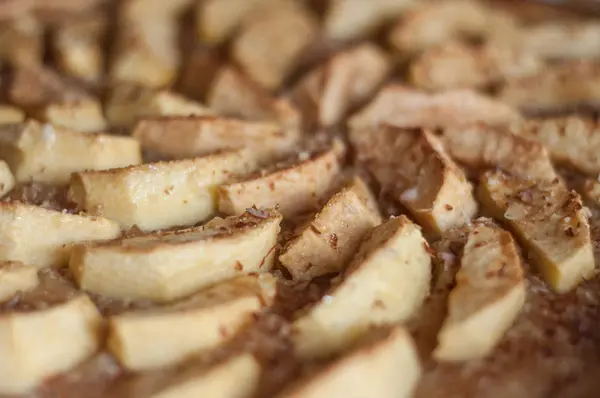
(167, 266)
(45, 238)
(387, 367)
(327, 93)
(406, 107)
(550, 222)
(456, 65)
(168, 335)
(385, 283)
(556, 88)
(159, 195)
(127, 103)
(481, 147)
(560, 40)
(293, 188)
(78, 47)
(16, 277)
(572, 140)
(269, 44)
(70, 334)
(42, 152)
(181, 137)
(233, 94)
(328, 242)
(489, 294)
(83, 115)
(413, 167)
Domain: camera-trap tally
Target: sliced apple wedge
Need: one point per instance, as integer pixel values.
(33, 86)
(70, 333)
(42, 152)
(456, 64)
(167, 266)
(412, 167)
(555, 88)
(78, 47)
(385, 283)
(406, 107)
(236, 377)
(328, 242)
(294, 188)
(269, 44)
(159, 195)
(145, 50)
(16, 277)
(563, 39)
(7, 180)
(171, 334)
(484, 147)
(128, 103)
(44, 238)
(84, 115)
(387, 367)
(11, 114)
(327, 93)
(573, 141)
(550, 222)
(233, 94)
(488, 296)
(180, 137)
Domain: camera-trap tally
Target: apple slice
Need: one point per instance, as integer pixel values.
(328, 242)
(406, 107)
(170, 265)
(16, 277)
(294, 188)
(573, 141)
(549, 220)
(159, 195)
(413, 168)
(45, 238)
(348, 79)
(488, 296)
(44, 153)
(181, 137)
(484, 147)
(170, 334)
(385, 283)
(71, 333)
(84, 115)
(387, 367)
(236, 377)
